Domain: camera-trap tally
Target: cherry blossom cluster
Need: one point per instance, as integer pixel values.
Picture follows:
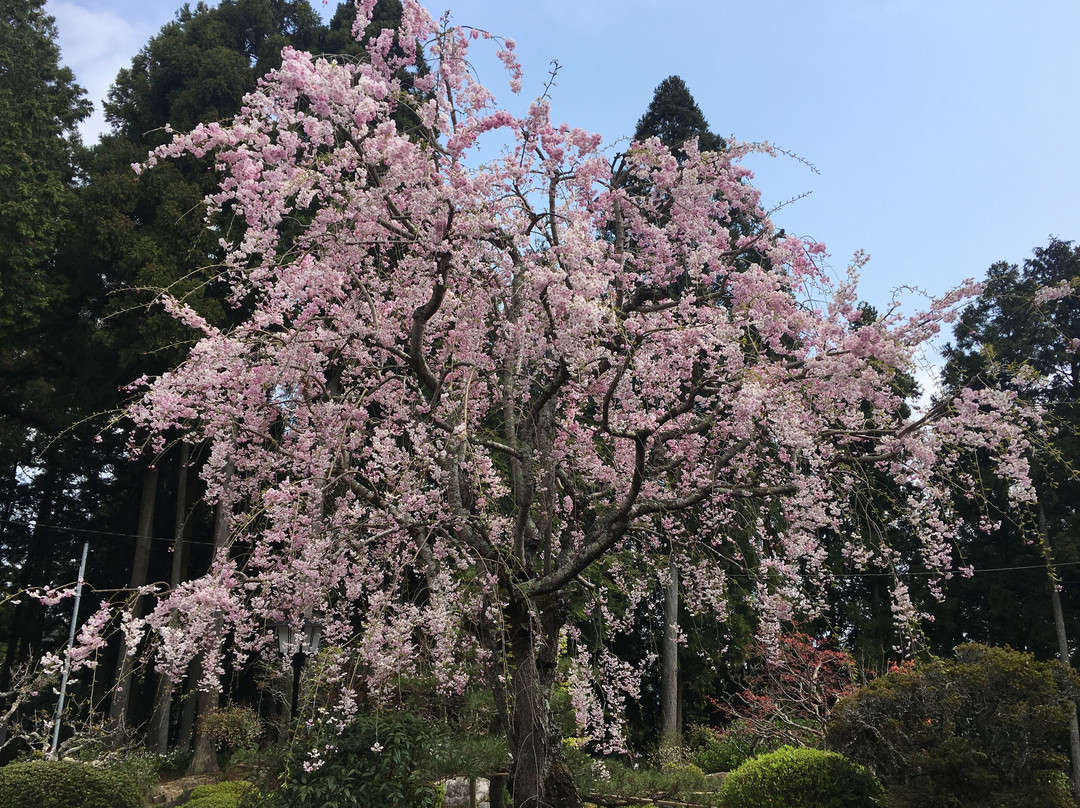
(463, 388)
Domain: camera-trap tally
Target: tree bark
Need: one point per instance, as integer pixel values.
(24, 637)
(204, 759)
(670, 731)
(125, 668)
(539, 777)
(1063, 649)
(185, 732)
(157, 738)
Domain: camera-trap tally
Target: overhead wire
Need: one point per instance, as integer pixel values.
(956, 573)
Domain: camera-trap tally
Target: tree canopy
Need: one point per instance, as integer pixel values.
(40, 106)
(674, 116)
(1024, 325)
(460, 398)
(464, 412)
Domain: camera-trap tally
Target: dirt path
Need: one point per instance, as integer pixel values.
(169, 790)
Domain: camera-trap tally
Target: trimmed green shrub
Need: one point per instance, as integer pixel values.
(379, 760)
(986, 730)
(65, 784)
(792, 777)
(227, 794)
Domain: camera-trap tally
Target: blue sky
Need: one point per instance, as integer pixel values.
(945, 131)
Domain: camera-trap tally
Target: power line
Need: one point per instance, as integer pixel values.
(91, 531)
(846, 576)
(957, 573)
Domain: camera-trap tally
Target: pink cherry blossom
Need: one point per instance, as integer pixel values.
(467, 390)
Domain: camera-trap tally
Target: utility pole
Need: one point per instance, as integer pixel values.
(67, 656)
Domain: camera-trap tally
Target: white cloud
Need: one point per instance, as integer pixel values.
(95, 44)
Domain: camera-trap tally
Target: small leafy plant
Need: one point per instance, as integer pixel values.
(233, 728)
(380, 759)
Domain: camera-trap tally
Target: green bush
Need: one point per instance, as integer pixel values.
(142, 768)
(988, 729)
(175, 763)
(379, 760)
(472, 756)
(725, 750)
(227, 794)
(685, 783)
(800, 778)
(722, 754)
(65, 784)
(233, 727)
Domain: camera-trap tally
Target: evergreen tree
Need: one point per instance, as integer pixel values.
(674, 117)
(200, 66)
(1026, 319)
(40, 106)
(144, 234)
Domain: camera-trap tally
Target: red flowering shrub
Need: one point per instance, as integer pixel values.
(790, 692)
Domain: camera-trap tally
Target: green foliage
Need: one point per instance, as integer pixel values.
(800, 778)
(983, 730)
(682, 782)
(474, 756)
(674, 117)
(232, 728)
(199, 67)
(1013, 328)
(379, 760)
(141, 768)
(65, 784)
(175, 763)
(725, 751)
(40, 105)
(227, 794)
(671, 752)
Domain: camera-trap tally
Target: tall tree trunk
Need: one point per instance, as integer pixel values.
(185, 731)
(1063, 647)
(539, 777)
(670, 731)
(158, 734)
(24, 638)
(204, 758)
(125, 666)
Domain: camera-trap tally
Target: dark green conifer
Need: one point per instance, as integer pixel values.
(674, 117)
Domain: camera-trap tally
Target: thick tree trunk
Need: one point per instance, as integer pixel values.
(157, 734)
(185, 731)
(670, 731)
(157, 737)
(125, 667)
(204, 759)
(539, 777)
(1063, 649)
